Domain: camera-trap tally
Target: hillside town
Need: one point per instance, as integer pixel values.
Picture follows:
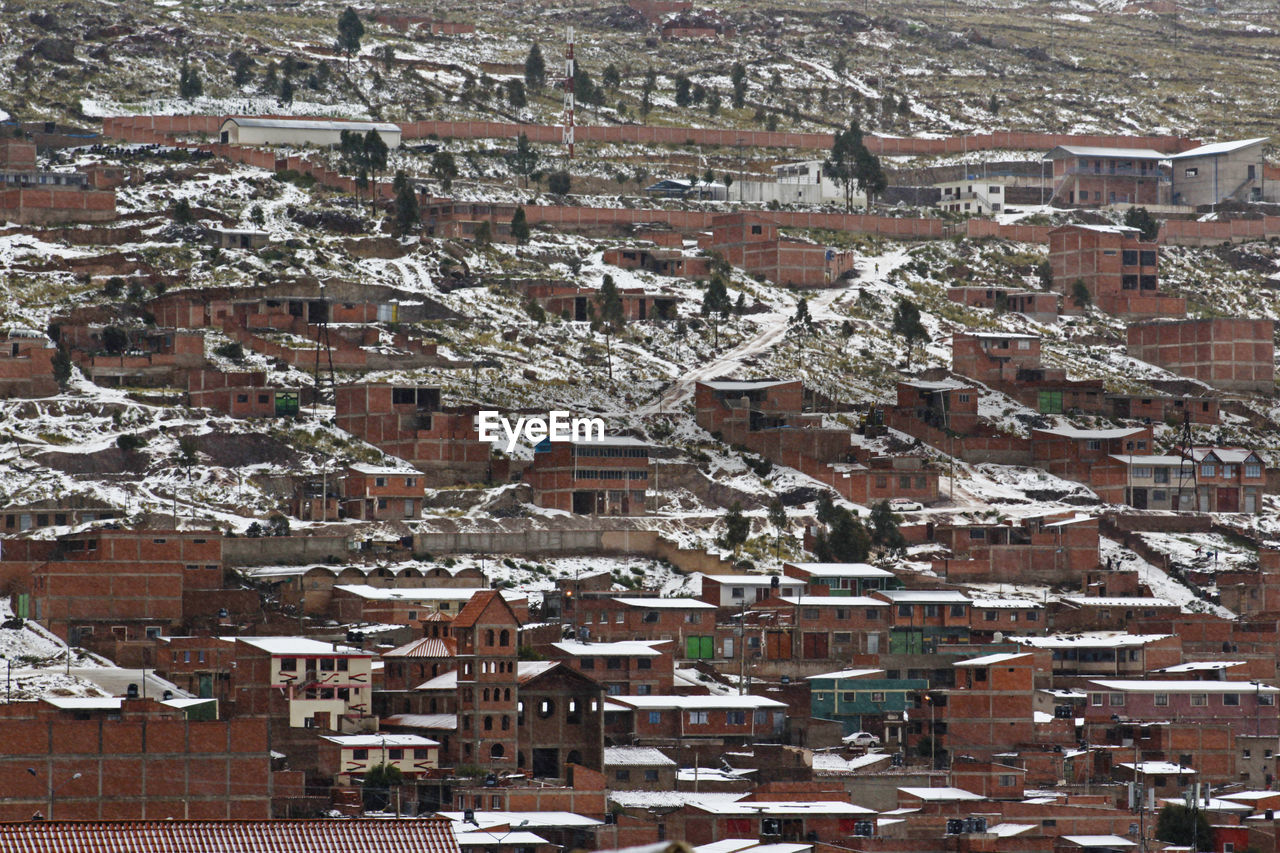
(520, 473)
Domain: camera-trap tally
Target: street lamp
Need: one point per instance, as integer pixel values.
(52, 790)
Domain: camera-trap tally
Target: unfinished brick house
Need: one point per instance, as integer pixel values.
(103, 588)
(410, 423)
(26, 364)
(1012, 364)
(751, 243)
(488, 687)
(1118, 269)
(1156, 408)
(1229, 353)
(1053, 549)
(1036, 304)
(990, 710)
(609, 477)
(624, 668)
(766, 418)
(301, 683)
(240, 394)
(575, 303)
(378, 493)
(112, 759)
(822, 629)
(686, 621)
(668, 262)
(1094, 176)
(32, 196)
(944, 415)
(1147, 481)
(1073, 453)
(150, 356)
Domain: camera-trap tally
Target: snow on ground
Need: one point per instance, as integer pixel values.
(1160, 584)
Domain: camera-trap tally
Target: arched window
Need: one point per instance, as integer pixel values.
(488, 637)
(486, 694)
(546, 708)
(506, 695)
(497, 751)
(504, 639)
(506, 723)
(520, 760)
(488, 724)
(575, 757)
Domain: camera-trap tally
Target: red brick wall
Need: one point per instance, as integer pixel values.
(1234, 354)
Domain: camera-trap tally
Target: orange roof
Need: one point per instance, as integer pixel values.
(429, 835)
(479, 603)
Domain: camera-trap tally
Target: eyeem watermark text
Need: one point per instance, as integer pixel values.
(556, 426)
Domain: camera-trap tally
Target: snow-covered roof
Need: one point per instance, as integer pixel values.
(85, 703)
(422, 721)
(842, 570)
(845, 673)
(1150, 460)
(1101, 151)
(731, 702)
(941, 795)
(1123, 230)
(711, 774)
(424, 593)
(362, 468)
(532, 820)
(1216, 148)
(525, 670)
(1000, 336)
(635, 756)
(993, 660)
(1090, 640)
(500, 839)
(1215, 804)
(1135, 685)
(1098, 840)
(377, 741)
(784, 807)
(753, 580)
(313, 124)
(1118, 601)
(666, 603)
(833, 601)
(1250, 796)
(943, 385)
(830, 764)
(1201, 666)
(1075, 432)
(1158, 768)
(632, 648)
(726, 845)
(924, 596)
(671, 799)
(1006, 830)
(299, 647)
(746, 386)
(1004, 604)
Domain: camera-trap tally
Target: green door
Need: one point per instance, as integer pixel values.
(699, 648)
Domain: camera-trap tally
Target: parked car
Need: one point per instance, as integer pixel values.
(863, 739)
(904, 505)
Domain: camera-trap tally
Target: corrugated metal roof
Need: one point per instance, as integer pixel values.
(315, 124)
(427, 647)
(428, 835)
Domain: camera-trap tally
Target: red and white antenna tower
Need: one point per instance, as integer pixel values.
(568, 95)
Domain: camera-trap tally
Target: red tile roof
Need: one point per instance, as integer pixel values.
(470, 614)
(421, 835)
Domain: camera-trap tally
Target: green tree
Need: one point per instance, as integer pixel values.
(407, 213)
(113, 288)
(444, 168)
(802, 318)
(842, 165)
(376, 785)
(189, 85)
(129, 442)
(1185, 827)
(182, 214)
(520, 227)
(844, 541)
(684, 96)
(1044, 273)
(524, 159)
(993, 106)
(646, 91)
(62, 366)
(559, 183)
(716, 304)
(778, 518)
(906, 322)
(713, 102)
(1141, 218)
(483, 233)
(871, 177)
(611, 78)
(535, 69)
(241, 68)
(738, 76)
(515, 93)
(350, 31)
(1080, 296)
(736, 528)
(884, 527)
(286, 91)
(608, 317)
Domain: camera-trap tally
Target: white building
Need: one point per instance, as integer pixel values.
(299, 132)
(796, 183)
(975, 194)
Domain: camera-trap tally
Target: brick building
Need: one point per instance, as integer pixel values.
(374, 492)
(840, 579)
(668, 262)
(638, 304)
(864, 700)
(624, 668)
(26, 364)
(688, 622)
(240, 394)
(1119, 270)
(1036, 304)
(1012, 364)
(1052, 549)
(302, 683)
(345, 756)
(1229, 479)
(734, 720)
(1229, 353)
(737, 591)
(121, 759)
(32, 196)
(1105, 653)
(751, 243)
(923, 619)
(409, 422)
(822, 628)
(1096, 176)
(1073, 453)
(487, 635)
(150, 356)
(598, 477)
(991, 707)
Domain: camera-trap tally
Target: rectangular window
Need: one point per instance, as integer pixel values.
(1191, 172)
(1115, 699)
(288, 664)
(1208, 470)
(359, 754)
(1162, 700)
(698, 718)
(1199, 700)
(1231, 699)
(651, 775)
(1266, 699)
(1253, 470)
(655, 717)
(1129, 258)
(622, 775)
(877, 696)
(1007, 780)
(736, 718)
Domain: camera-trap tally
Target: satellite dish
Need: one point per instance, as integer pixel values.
(997, 637)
